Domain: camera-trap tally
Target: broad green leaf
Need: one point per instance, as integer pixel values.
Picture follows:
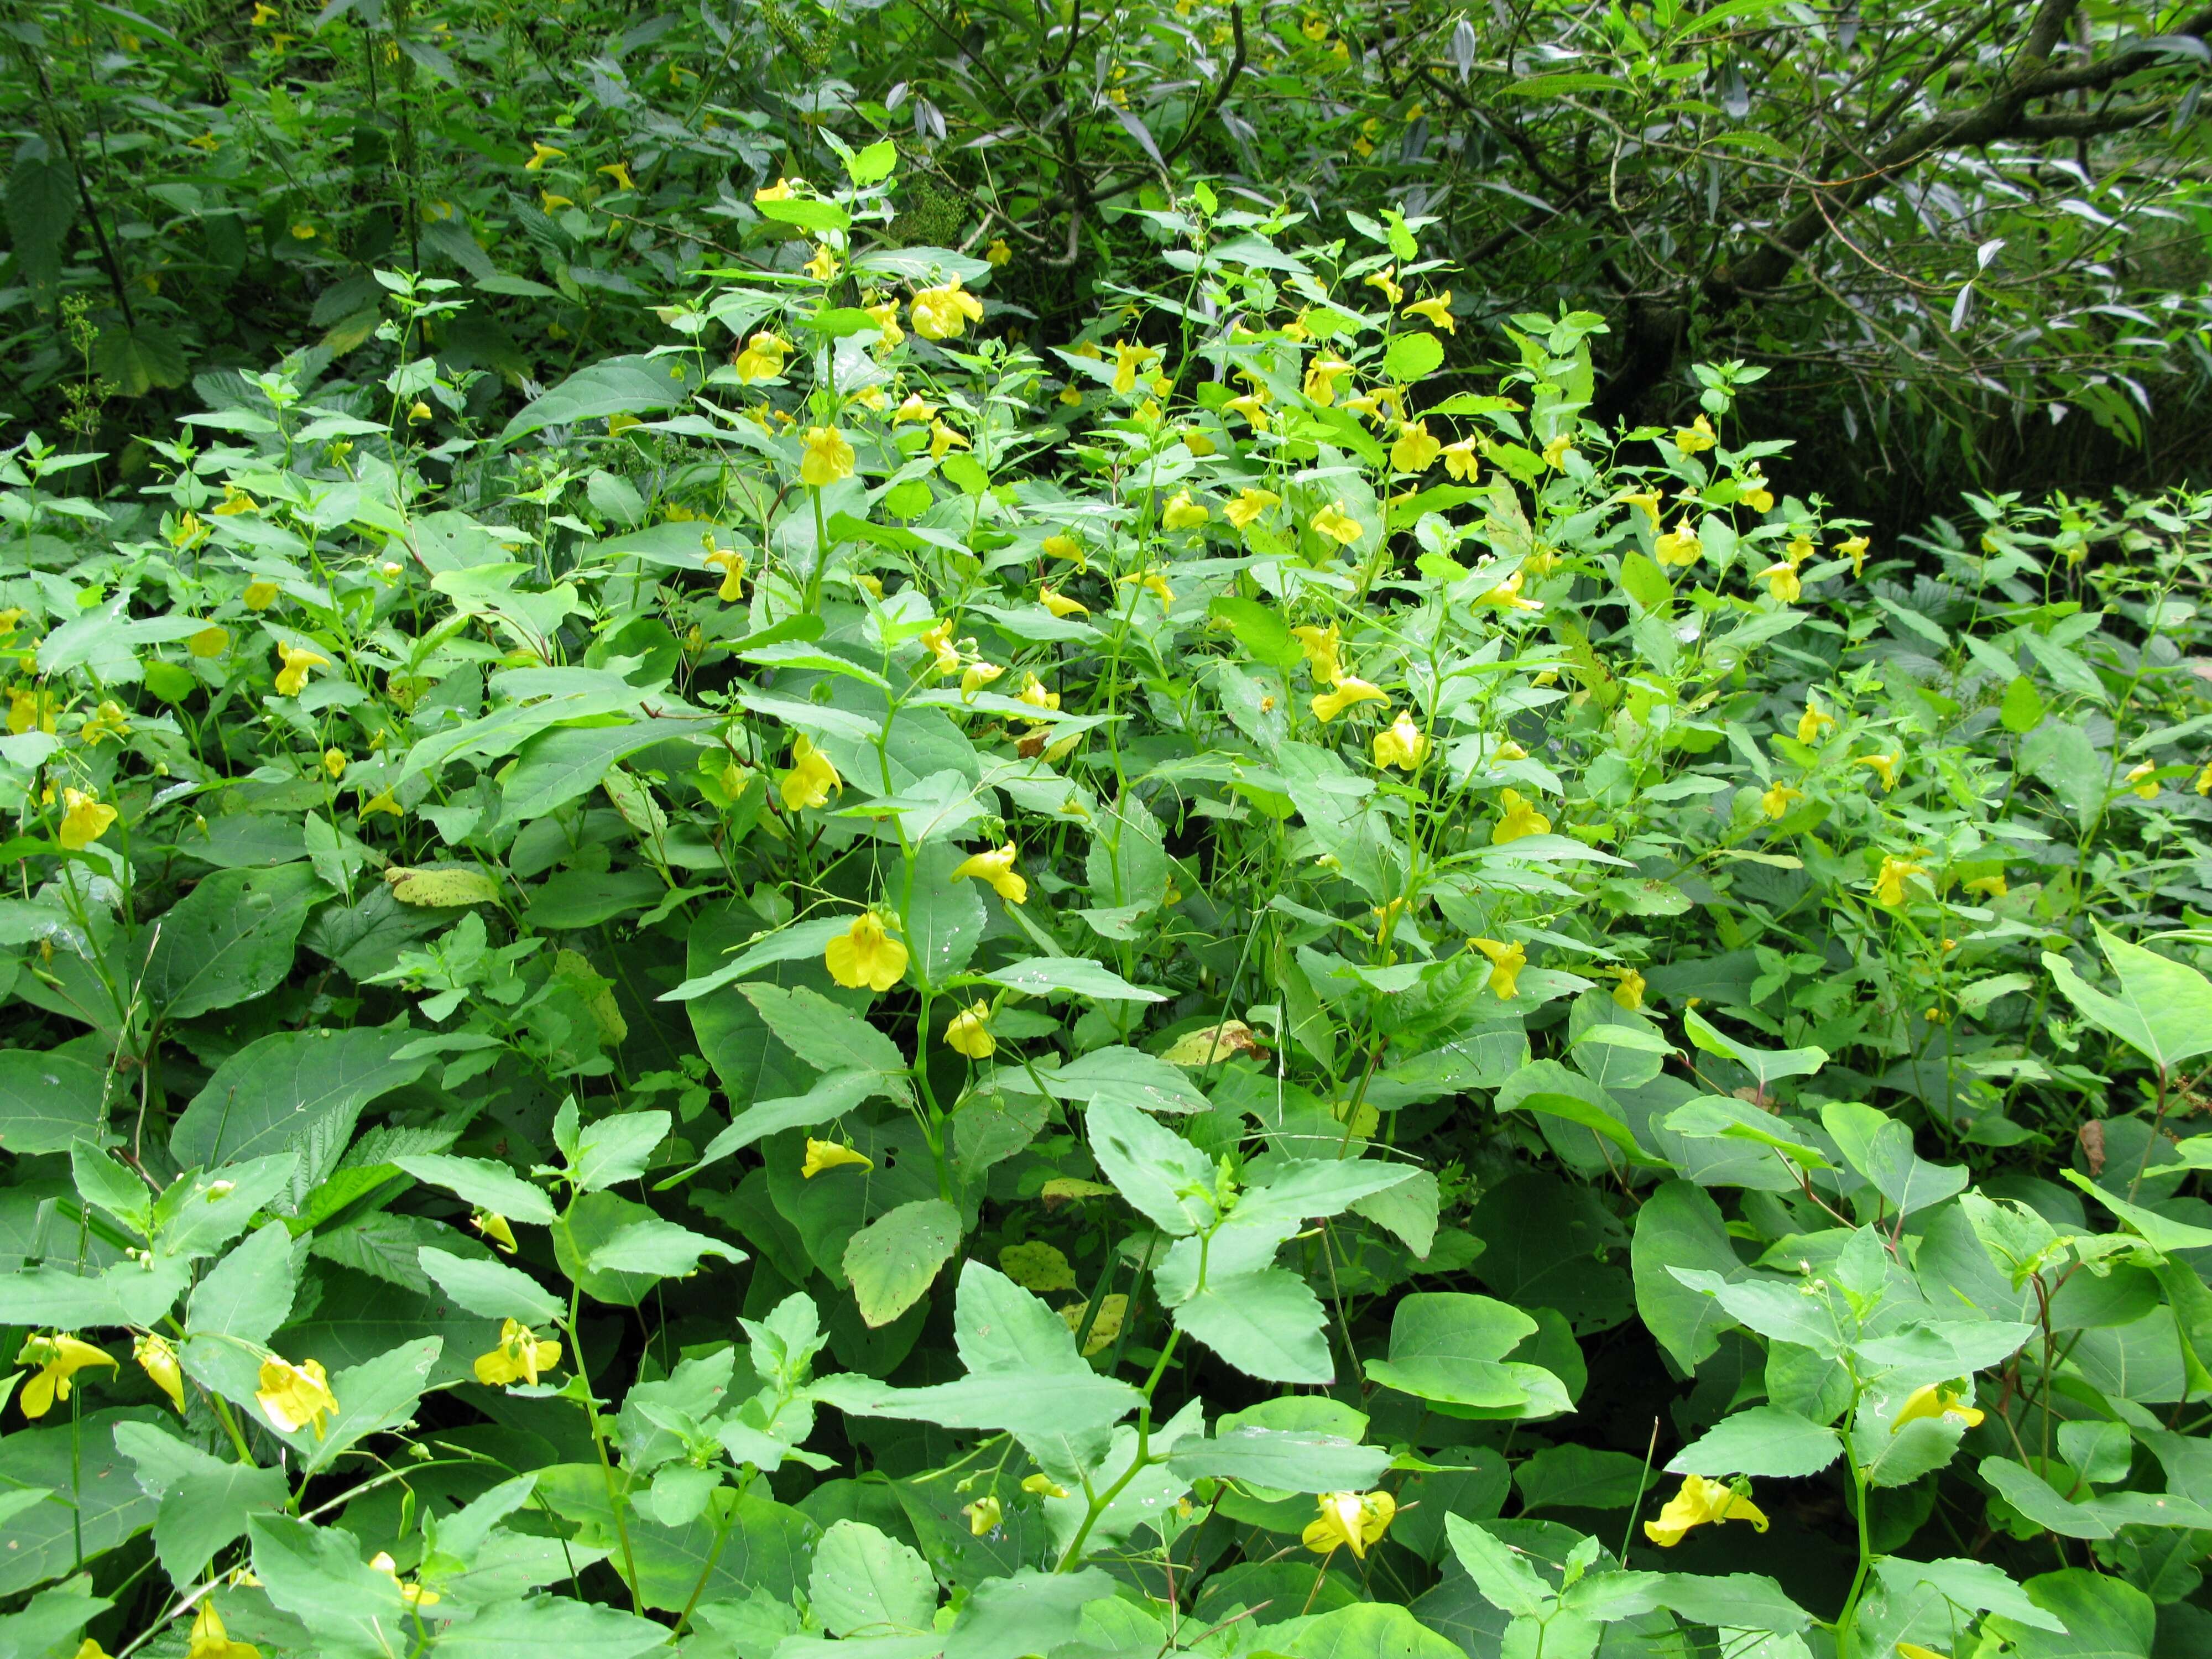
(1126, 1077)
(1039, 975)
(1762, 1440)
(1767, 1065)
(47, 1101)
(1735, 1601)
(2103, 1618)
(1572, 1477)
(1450, 1346)
(893, 1259)
(660, 1249)
(823, 1035)
(280, 1088)
(320, 1576)
(613, 1150)
(866, 1584)
(1880, 1147)
(96, 1502)
(1977, 1586)
(2163, 1010)
(492, 1288)
(1028, 1611)
(2161, 1232)
(482, 1184)
(1267, 1324)
(229, 940)
(1282, 1460)
(1163, 1176)
(1503, 1576)
(1679, 1225)
(615, 386)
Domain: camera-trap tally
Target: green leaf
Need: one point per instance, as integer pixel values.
(894, 1258)
(1975, 1585)
(52, 1620)
(2103, 1618)
(1761, 1440)
(611, 1151)
(823, 1035)
(374, 1396)
(1281, 1460)
(616, 385)
(1735, 1601)
(1450, 1346)
(551, 1627)
(657, 1248)
(866, 1584)
(1500, 1572)
(229, 940)
(1767, 1065)
(279, 1088)
(1267, 1324)
(807, 212)
(42, 203)
(1880, 1147)
(1125, 1076)
(492, 1288)
(2021, 710)
(206, 1511)
(481, 1184)
(1572, 1477)
(2164, 1010)
(48, 1100)
(1413, 356)
(236, 1308)
(318, 1574)
(568, 763)
(95, 1504)
(1028, 1611)
(1037, 976)
(1163, 1176)
(830, 1099)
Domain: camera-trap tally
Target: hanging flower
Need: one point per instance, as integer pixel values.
(977, 675)
(831, 1155)
(520, 1357)
(942, 438)
(969, 1033)
(811, 779)
(1507, 595)
(1506, 961)
(210, 1640)
(1058, 604)
(210, 641)
(996, 867)
(1679, 546)
(944, 313)
(1938, 1400)
(234, 501)
(998, 253)
(108, 721)
(887, 321)
(865, 955)
(1813, 721)
(295, 660)
(1322, 375)
(84, 819)
(1700, 1501)
(1889, 881)
(763, 359)
(1383, 279)
(1350, 1520)
(1401, 744)
(1184, 514)
(1350, 690)
(1249, 504)
(1414, 450)
(780, 191)
(826, 458)
(294, 1397)
(1462, 460)
(1629, 992)
(1321, 647)
(495, 1227)
(983, 1516)
(1128, 361)
(1062, 545)
(2143, 780)
(159, 1361)
(540, 153)
(1253, 406)
(1853, 548)
(1520, 818)
(1782, 583)
(1435, 310)
(1776, 800)
(1988, 886)
(823, 267)
(1647, 501)
(1033, 692)
(414, 1595)
(58, 1359)
(1885, 766)
(1695, 437)
(1340, 527)
(731, 564)
(381, 801)
(938, 642)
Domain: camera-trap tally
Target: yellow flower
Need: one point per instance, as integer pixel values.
(1381, 279)
(1521, 818)
(619, 172)
(264, 14)
(334, 762)
(865, 955)
(1679, 546)
(417, 412)
(1889, 884)
(887, 322)
(1759, 499)
(1914, 1650)
(209, 642)
(381, 801)
(983, 1515)
(159, 1361)
(1629, 994)
(547, 200)
(1128, 361)
(1401, 744)
(1314, 29)
(59, 1359)
(938, 642)
(1333, 522)
(1199, 443)
(1033, 693)
(1777, 799)
(998, 253)
(414, 1595)
(762, 358)
(1071, 396)
(1700, 1501)
(1690, 438)
(1556, 451)
(996, 867)
(1988, 886)
(1813, 722)
(1938, 1400)
(1853, 548)
(540, 153)
(2146, 785)
(517, 1358)
(942, 438)
(84, 819)
(1506, 961)
(811, 779)
(731, 564)
(1253, 406)
(294, 1397)
(944, 313)
(1648, 499)
(304, 232)
(210, 1640)
(1462, 460)
(495, 1227)
(1322, 377)
(1350, 690)
(823, 266)
(1321, 647)
(1507, 596)
(871, 398)
(780, 191)
(1043, 1486)
(1884, 766)
(831, 1155)
(916, 409)
(107, 722)
(1414, 450)
(1148, 411)
(1350, 1520)
(234, 501)
(1249, 504)
(827, 457)
(296, 660)
(977, 675)
(1436, 310)
(1184, 514)
(969, 1033)
(1058, 604)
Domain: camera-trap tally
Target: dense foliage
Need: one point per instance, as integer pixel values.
(882, 952)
